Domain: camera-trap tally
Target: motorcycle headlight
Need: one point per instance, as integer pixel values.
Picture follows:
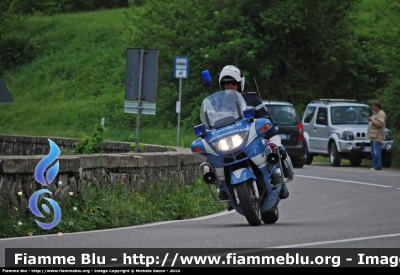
(230, 142)
(347, 135)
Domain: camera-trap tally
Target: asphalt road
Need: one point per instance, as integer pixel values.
(328, 207)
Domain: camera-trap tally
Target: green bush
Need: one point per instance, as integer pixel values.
(92, 144)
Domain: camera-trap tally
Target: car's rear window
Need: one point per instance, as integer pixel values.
(283, 115)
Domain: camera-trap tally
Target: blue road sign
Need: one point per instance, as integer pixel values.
(181, 67)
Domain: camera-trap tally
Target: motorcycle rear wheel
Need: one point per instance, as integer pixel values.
(249, 203)
(270, 216)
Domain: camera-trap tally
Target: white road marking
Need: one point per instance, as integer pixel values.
(349, 181)
(339, 241)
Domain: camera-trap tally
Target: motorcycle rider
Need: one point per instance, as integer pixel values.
(231, 78)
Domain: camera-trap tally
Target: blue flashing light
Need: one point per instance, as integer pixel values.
(206, 76)
(249, 113)
(199, 129)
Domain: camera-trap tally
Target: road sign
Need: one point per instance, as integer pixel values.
(181, 67)
(148, 108)
(141, 74)
(5, 95)
(140, 84)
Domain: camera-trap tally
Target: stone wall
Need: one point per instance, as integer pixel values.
(17, 171)
(31, 145)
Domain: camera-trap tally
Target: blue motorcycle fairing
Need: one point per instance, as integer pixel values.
(268, 204)
(236, 128)
(260, 122)
(204, 146)
(223, 132)
(256, 148)
(197, 143)
(229, 130)
(218, 158)
(241, 175)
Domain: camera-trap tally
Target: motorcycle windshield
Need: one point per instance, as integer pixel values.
(222, 108)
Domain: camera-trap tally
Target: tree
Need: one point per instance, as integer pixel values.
(383, 49)
(295, 50)
(50, 7)
(13, 47)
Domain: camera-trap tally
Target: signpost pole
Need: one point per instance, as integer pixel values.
(179, 111)
(181, 68)
(140, 84)
(139, 100)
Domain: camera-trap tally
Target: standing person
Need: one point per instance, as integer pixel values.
(375, 133)
(231, 78)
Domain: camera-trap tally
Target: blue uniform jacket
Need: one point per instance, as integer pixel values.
(261, 111)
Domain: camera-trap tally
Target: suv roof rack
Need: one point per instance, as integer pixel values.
(328, 100)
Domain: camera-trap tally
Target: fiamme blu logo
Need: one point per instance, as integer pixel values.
(45, 178)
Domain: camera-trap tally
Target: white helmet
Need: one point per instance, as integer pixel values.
(231, 72)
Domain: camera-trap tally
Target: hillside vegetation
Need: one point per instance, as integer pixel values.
(76, 78)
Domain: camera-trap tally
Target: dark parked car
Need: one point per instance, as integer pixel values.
(288, 124)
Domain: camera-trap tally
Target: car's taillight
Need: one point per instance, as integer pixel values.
(300, 131)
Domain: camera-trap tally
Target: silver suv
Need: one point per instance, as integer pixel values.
(336, 128)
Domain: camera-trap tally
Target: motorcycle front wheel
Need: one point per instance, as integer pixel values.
(249, 202)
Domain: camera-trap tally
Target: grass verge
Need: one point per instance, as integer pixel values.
(111, 206)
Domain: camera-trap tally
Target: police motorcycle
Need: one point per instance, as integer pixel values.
(240, 161)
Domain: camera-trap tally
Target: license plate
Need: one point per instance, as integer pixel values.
(284, 136)
(366, 149)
